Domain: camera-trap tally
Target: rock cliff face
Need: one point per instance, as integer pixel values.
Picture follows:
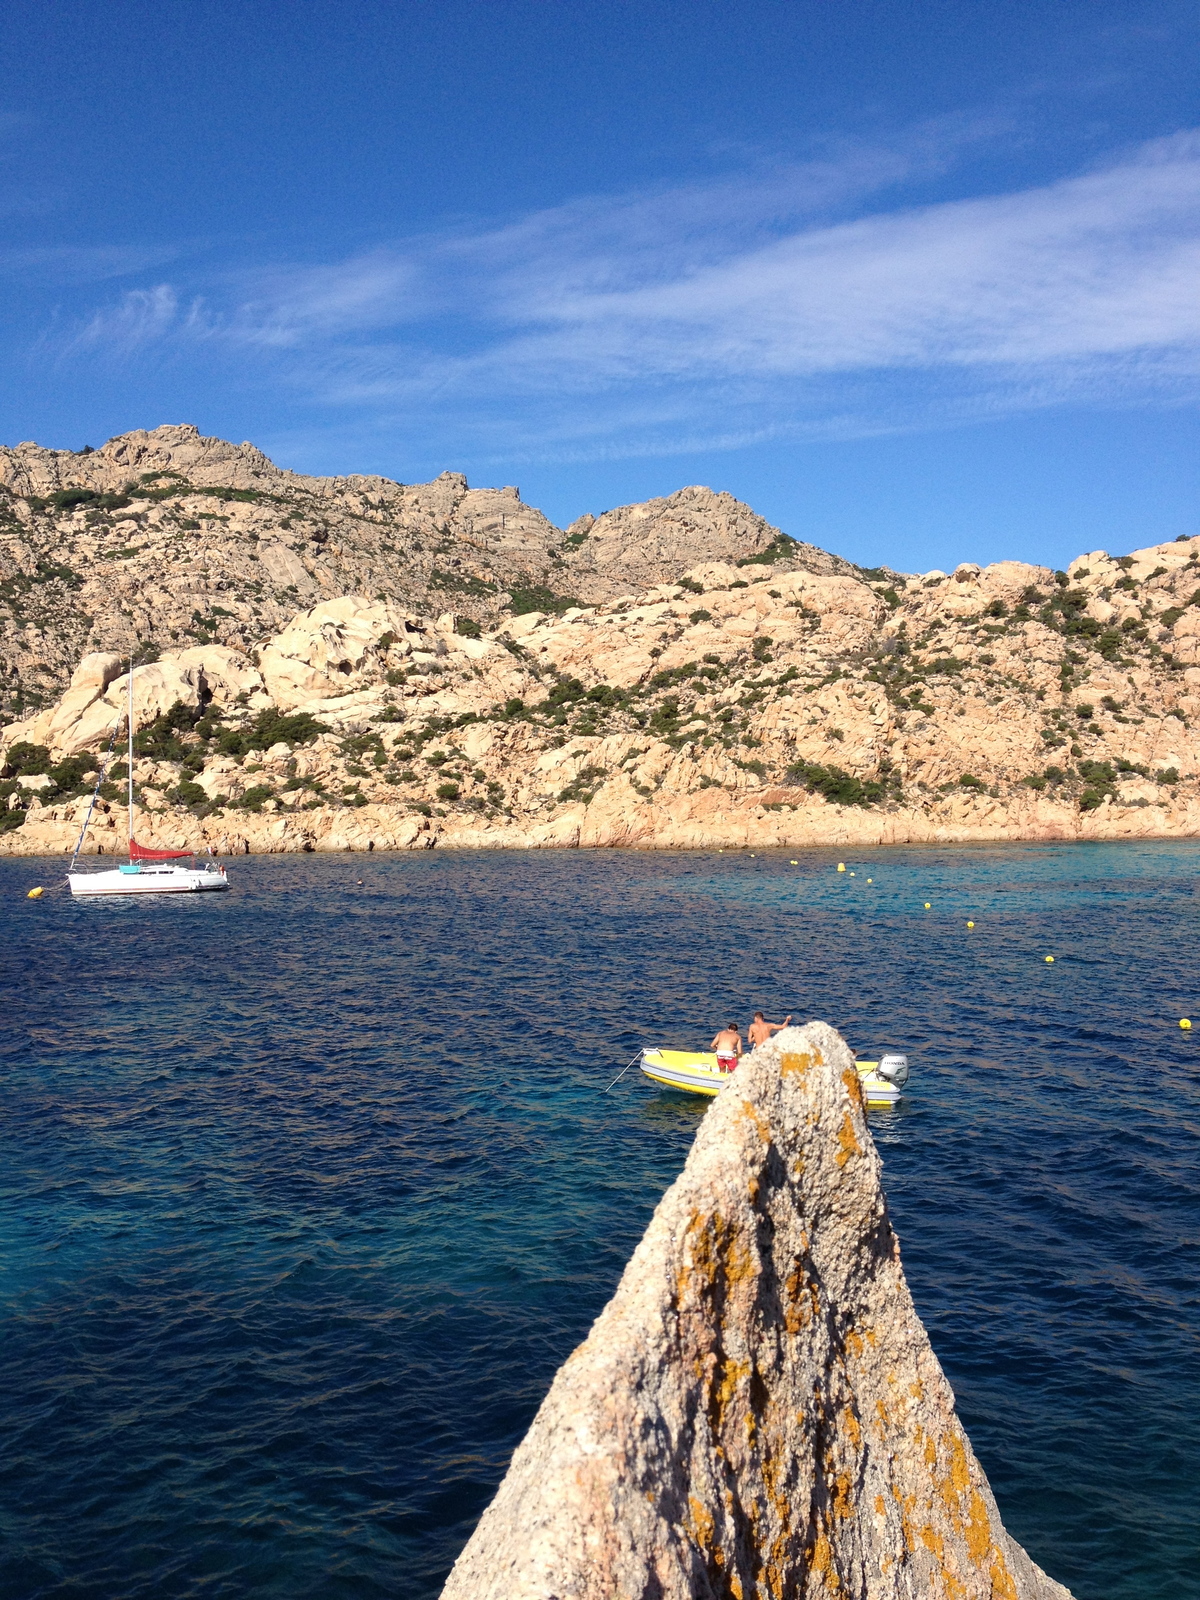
(635, 547)
(170, 538)
(767, 703)
(757, 1413)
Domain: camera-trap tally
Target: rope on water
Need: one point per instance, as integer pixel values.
(624, 1070)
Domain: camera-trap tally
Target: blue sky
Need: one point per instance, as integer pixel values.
(921, 284)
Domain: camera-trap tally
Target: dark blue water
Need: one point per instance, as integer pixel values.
(306, 1190)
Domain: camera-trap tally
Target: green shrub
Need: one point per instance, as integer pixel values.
(603, 694)
(779, 549)
(670, 676)
(160, 739)
(188, 793)
(841, 788)
(252, 799)
(457, 583)
(1168, 775)
(447, 791)
(268, 728)
(566, 691)
(64, 499)
(700, 616)
(468, 628)
(25, 760)
(536, 597)
(1084, 711)
(584, 786)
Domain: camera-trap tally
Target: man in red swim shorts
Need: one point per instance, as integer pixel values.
(728, 1045)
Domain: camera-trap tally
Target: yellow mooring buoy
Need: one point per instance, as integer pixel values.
(1184, 1024)
(841, 866)
(35, 894)
(1049, 961)
(970, 924)
(927, 905)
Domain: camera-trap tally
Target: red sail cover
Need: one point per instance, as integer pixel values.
(142, 852)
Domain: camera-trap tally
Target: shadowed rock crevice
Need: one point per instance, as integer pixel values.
(757, 1413)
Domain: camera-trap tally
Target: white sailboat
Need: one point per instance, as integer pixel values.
(147, 871)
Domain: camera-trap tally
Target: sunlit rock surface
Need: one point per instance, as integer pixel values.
(757, 1412)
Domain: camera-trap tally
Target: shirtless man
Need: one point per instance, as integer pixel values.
(728, 1045)
(761, 1031)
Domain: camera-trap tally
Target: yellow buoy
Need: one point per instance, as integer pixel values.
(970, 924)
(841, 866)
(851, 874)
(1049, 961)
(870, 880)
(1184, 1024)
(35, 894)
(927, 905)
(795, 863)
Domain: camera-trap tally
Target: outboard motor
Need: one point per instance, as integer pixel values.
(895, 1069)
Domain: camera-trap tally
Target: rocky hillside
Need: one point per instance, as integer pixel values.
(740, 706)
(165, 539)
(757, 1412)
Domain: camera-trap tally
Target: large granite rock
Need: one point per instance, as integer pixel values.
(633, 547)
(757, 1412)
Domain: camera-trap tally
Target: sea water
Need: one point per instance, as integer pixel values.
(307, 1189)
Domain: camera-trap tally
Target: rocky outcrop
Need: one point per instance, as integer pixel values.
(743, 706)
(757, 1412)
(166, 537)
(631, 549)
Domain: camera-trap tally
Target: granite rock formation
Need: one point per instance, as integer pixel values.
(165, 537)
(631, 549)
(757, 1413)
(757, 704)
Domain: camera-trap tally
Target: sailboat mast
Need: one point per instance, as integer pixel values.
(129, 719)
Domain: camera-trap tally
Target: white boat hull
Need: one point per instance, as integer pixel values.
(149, 878)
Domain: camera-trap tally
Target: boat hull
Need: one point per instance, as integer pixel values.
(149, 880)
(691, 1070)
(696, 1072)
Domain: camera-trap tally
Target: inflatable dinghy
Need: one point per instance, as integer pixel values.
(696, 1072)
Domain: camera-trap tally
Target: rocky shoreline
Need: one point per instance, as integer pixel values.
(612, 826)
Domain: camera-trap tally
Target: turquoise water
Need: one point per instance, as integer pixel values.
(306, 1190)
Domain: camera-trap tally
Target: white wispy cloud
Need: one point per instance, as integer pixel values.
(778, 302)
